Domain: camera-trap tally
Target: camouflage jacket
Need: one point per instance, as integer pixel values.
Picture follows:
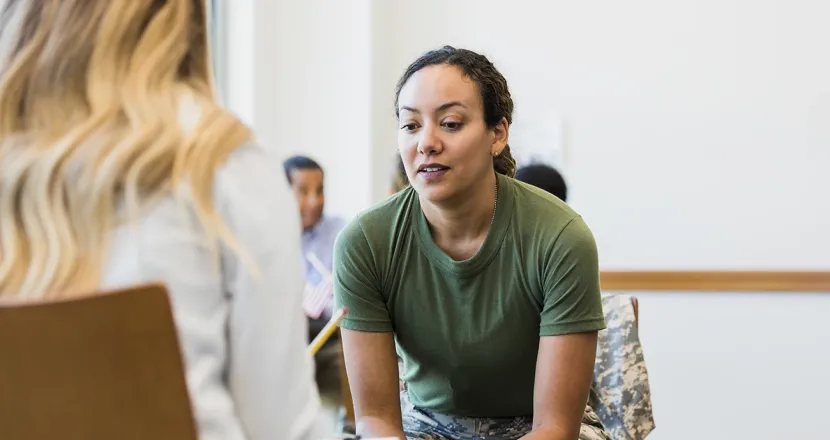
(620, 392)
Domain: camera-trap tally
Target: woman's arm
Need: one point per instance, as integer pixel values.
(270, 372)
(571, 316)
(564, 369)
(372, 368)
(367, 331)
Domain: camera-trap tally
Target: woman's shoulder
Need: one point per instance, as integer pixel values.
(252, 195)
(382, 223)
(539, 213)
(250, 163)
(250, 175)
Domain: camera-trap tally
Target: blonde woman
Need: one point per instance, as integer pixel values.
(118, 168)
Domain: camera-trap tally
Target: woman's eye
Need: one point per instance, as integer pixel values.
(409, 127)
(452, 125)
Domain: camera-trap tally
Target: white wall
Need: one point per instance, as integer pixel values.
(697, 132)
(385, 70)
(737, 366)
(307, 94)
(696, 137)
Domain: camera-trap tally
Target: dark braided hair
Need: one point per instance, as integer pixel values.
(495, 95)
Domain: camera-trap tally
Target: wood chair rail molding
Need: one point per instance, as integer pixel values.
(716, 281)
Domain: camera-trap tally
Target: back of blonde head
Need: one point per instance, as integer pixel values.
(90, 96)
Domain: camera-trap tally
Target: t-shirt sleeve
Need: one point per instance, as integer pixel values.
(357, 283)
(572, 295)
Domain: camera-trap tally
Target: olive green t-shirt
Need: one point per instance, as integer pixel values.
(468, 331)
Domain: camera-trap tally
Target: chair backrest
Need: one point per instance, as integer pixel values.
(101, 367)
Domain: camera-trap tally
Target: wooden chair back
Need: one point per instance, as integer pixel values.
(100, 367)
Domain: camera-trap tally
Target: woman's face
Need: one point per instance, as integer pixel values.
(446, 147)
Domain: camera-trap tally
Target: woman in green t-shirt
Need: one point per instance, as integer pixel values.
(485, 287)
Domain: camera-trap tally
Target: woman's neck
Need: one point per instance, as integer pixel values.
(460, 225)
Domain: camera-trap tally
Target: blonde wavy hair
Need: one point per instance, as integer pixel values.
(91, 95)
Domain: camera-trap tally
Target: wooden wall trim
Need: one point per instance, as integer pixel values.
(716, 281)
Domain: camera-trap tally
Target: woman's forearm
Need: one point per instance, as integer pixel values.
(377, 427)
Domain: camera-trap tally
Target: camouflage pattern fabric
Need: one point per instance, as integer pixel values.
(429, 425)
(620, 391)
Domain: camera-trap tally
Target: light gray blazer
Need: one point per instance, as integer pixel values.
(243, 337)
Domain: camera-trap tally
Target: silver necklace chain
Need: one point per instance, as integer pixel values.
(495, 202)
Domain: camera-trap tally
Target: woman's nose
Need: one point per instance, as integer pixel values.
(430, 141)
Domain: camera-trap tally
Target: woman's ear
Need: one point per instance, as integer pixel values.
(500, 134)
